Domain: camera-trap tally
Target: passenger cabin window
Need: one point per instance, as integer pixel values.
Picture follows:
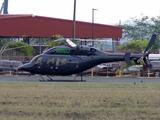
(61, 61)
(50, 61)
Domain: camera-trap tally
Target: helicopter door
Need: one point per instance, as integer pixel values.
(38, 65)
(50, 65)
(61, 66)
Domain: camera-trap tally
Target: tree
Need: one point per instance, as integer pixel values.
(142, 29)
(155, 24)
(3, 48)
(52, 42)
(137, 29)
(22, 47)
(135, 45)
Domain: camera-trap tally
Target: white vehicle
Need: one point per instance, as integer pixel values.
(154, 57)
(133, 69)
(9, 65)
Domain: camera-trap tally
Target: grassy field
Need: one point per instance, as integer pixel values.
(79, 101)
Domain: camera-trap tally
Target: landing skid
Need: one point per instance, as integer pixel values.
(48, 80)
(51, 80)
(81, 77)
(63, 81)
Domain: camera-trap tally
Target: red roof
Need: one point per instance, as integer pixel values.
(38, 26)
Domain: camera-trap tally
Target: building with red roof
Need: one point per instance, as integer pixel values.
(45, 27)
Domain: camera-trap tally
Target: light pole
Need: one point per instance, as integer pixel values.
(93, 25)
(74, 21)
(5, 10)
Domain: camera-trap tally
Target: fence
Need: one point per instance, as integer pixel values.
(18, 58)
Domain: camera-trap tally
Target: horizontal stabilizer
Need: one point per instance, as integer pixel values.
(127, 58)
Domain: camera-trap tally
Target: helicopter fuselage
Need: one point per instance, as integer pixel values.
(66, 60)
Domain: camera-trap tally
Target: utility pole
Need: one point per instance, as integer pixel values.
(2, 7)
(5, 11)
(74, 21)
(93, 25)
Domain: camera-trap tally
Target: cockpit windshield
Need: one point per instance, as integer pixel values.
(37, 60)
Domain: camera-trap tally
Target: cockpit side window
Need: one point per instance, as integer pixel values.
(38, 61)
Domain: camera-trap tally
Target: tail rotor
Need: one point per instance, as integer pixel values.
(145, 55)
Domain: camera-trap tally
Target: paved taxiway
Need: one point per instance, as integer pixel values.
(105, 80)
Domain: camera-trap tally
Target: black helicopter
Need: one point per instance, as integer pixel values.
(72, 59)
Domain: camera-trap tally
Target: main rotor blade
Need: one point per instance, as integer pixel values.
(71, 43)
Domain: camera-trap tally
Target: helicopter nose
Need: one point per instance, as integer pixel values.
(23, 67)
(20, 68)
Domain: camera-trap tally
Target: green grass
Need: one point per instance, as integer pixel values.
(75, 101)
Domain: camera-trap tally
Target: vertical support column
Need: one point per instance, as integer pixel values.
(74, 21)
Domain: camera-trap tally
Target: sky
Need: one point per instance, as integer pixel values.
(108, 11)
